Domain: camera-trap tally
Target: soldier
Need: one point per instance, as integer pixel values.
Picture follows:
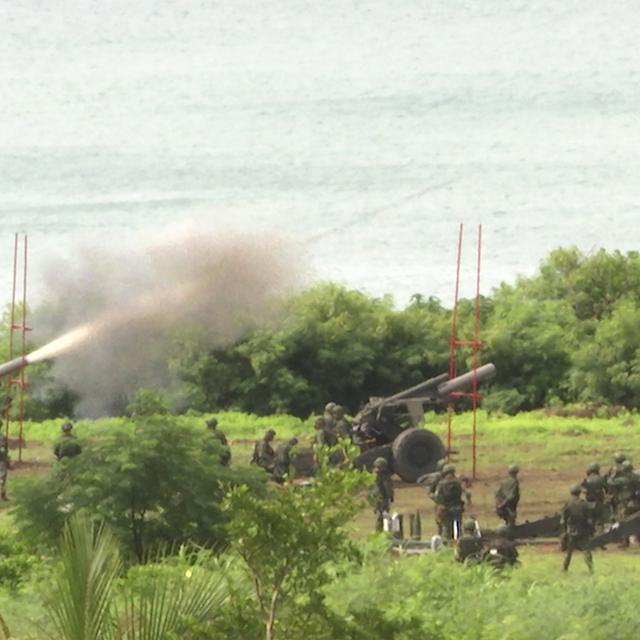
(5, 465)
(508, 496)
(382, 491)
(501, 550)
(470, 546)
(616, 468)
(282, 460)
(577, 521)
(218, 434)
(329, 419)
(325, 437)
(449, 498)
(343, 426)
(66, 447)
(430, 482)
(626, 491)
(595, 493)
(263, 453)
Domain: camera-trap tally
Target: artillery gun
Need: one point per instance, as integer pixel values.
(389, 427)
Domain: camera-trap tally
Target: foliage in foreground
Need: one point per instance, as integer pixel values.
(154, 482)
(288, 543)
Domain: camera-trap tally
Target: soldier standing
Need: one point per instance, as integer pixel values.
(595, 492)
(449, 498)
(67, 447)
(508, 496)
(329, 419)
(626, 491)
(263, 453)
(343, 426)
(218, 434)
(616, 468)
(282, 460)
(470, 546)
(325, 436)
(382, 491)
(430, 482)
(577, 521)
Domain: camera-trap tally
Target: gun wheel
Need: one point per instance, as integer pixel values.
(416, 452)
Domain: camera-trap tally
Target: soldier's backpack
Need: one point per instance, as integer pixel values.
(449, 492)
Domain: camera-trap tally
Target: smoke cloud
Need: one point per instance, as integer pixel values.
(112, 315)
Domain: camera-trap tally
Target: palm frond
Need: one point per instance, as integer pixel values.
(80, 603)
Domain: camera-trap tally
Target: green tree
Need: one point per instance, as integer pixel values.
(607, 366)
(153, 480)
(289, 541)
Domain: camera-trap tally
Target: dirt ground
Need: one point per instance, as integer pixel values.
(543, 492)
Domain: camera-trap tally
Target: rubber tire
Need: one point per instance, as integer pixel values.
(416, 451)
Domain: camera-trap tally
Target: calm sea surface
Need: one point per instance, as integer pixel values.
(366, 131)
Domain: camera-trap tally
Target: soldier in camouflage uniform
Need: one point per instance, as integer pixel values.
(616, 468)
(470, 546)
(430, 482)
(325, 436)
(595, 493)
(501, 550)
(343, 426)
(449, 496)
(282, 461)
(382, 490)
(508, 496)
(626, 494)
(329, 419)
(218, 434)
(66, 446)
(263, 453)
(576, 518)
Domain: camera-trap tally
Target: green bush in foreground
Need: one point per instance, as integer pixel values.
(153, 481)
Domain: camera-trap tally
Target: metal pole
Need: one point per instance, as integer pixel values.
(452, 365)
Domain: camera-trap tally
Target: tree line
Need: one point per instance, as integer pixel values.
(565, 335)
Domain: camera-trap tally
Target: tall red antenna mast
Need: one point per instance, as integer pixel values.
(21, 326)
(475, 343)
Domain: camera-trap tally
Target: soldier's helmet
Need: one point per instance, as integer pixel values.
(575, 489)
(293, 440)
(619, 457)
(320, 422)
(501, 530)
(380, 463)
(269, 434)
(514, 468)
(627, 466)
(469, 525)
(448, 468)
(338, 411)
(594, 467)
(66, 427)
(212, 423)
(440, 464)
(330, 406)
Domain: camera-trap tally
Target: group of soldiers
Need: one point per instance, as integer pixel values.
(599, 500)
(277, 461)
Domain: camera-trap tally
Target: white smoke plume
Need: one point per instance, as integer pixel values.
(111, 315)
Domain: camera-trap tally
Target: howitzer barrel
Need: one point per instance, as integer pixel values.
(466, 379)
(13, 365)
(412, 392)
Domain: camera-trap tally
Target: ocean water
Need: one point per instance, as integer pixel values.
(364, 132)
